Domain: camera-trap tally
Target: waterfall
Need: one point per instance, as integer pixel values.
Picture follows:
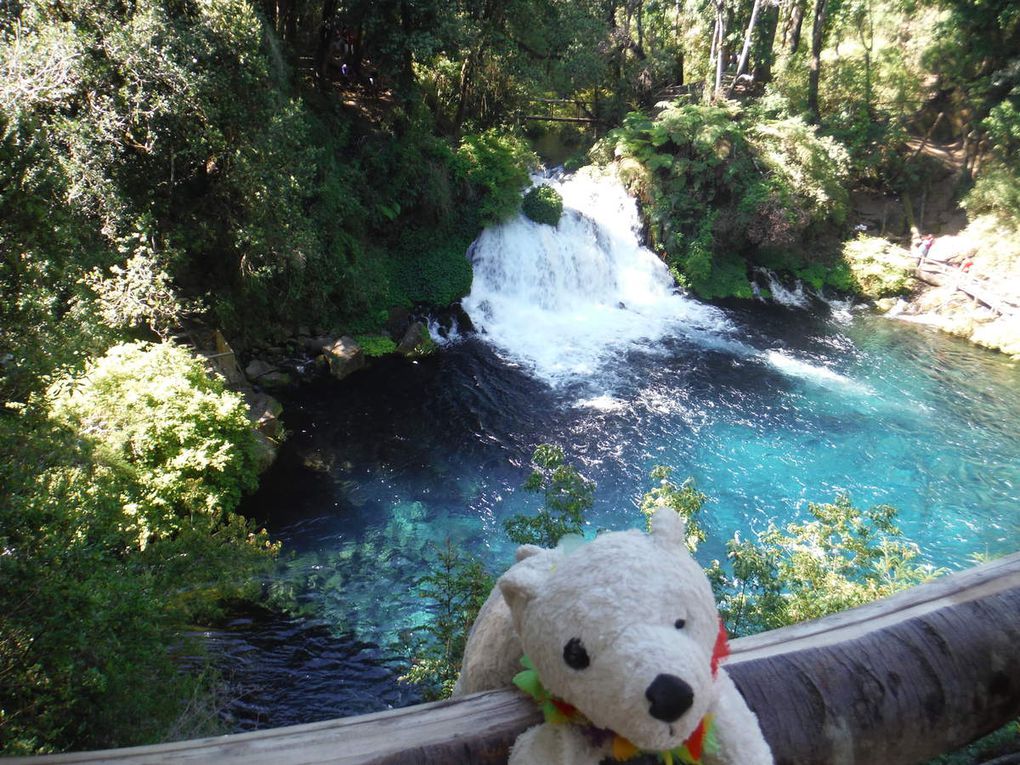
(795, 298)
(566, 301)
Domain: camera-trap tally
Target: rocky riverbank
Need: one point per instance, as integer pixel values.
(968, 285)
(302, 356)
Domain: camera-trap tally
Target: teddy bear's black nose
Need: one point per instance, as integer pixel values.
(670, 697)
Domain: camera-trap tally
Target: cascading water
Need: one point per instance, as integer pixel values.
(563, 300)
(767, 409)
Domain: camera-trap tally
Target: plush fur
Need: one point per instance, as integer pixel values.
(641, 623)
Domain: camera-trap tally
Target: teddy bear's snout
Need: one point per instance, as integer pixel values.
(670, 697)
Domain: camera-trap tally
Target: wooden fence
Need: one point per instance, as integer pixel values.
(896, 681)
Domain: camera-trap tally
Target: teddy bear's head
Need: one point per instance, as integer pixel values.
(623, 629)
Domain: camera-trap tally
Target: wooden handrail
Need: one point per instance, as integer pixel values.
(895, 681)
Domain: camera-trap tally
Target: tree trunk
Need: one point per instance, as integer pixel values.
(815, 66)
(742, 62)
(720, 49)
(464, 86)
(766, 51)
(794, 23)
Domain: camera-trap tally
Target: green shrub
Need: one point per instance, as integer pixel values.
(841, 557)
(996, 191)
(153, 411)
(496, 166)
(725, 189)
(375, 346)
(454, 589)
(566, 496)
(875, 268)
(117, 531)
(543, 204)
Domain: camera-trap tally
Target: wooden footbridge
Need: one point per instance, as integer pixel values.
(896, 681)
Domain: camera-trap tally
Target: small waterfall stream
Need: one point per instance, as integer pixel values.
(564, 300)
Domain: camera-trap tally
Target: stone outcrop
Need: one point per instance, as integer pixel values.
(344, 357)
(416, 341)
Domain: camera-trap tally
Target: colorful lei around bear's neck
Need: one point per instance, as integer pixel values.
(559, 712)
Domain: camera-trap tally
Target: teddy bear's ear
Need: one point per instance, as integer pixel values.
(522, 581)
(526, 551)
(668, 528)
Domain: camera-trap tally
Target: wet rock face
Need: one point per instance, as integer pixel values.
(416, 341)
(344, 357)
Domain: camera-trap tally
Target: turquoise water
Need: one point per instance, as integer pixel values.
(583, 341)
(394, 461)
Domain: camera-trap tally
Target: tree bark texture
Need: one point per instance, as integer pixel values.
(893, 682)
(901, 694)
(815, 70)
(742, 61)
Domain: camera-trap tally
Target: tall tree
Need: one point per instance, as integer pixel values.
(742, 62)
(815, 65)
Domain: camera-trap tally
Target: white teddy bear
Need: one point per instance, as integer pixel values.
(623, 642)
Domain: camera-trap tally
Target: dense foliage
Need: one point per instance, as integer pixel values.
(118, 526)
(726, 189)
(543, 204)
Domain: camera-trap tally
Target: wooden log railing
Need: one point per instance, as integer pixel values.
(896, 681)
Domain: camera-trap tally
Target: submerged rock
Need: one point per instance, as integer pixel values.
(344, 357)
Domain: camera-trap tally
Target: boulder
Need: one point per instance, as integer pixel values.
(416, 341)
(344, 357)
(258, 368)
(265, 411)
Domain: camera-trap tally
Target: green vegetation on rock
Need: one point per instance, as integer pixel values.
(725, 189)
(543, 204)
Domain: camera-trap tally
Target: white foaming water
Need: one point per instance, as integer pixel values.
(567, 301)
(815, 373)
(794, 298)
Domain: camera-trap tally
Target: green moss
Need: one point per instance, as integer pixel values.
(375, 346)
(543, 204)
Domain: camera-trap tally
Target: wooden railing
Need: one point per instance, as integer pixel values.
(896, 681)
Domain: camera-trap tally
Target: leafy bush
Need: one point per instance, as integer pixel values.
(543, 204)
(996, 191)
(841, 558)
(153, 411)
(496, 166)
(118, 530)
(877, 268)
(723, 188)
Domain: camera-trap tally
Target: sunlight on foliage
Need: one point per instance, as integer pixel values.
(842, 557)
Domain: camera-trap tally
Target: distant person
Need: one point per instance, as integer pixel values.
(924, 247)
(967, 263)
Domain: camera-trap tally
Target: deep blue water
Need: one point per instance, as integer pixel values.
(794, 407)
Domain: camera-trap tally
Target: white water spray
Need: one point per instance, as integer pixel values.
(566, 301)
(795, 298)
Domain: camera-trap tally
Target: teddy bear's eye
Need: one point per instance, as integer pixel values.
(575, 655)
(679, 623)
